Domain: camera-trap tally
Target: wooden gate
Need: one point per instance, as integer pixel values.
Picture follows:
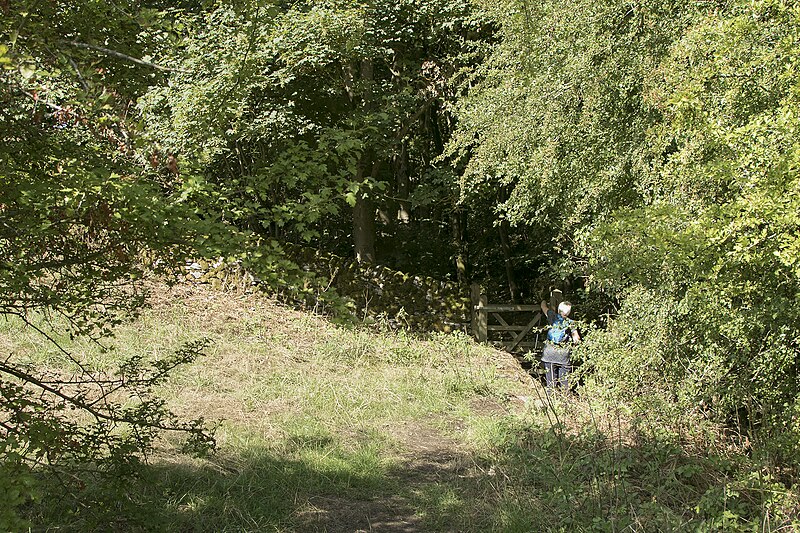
(514, 327)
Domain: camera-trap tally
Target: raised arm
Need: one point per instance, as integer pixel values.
(545, 309)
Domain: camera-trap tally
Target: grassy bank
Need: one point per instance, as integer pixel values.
(325, 428)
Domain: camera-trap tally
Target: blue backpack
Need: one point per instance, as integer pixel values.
(558, 329)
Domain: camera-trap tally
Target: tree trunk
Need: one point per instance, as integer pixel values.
(504, 244)
(458, 223)
(364, 210)
(403, 185)
(433, 127)
(364, 229)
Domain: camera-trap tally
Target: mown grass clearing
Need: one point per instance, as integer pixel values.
(326, 428)
(308, 414)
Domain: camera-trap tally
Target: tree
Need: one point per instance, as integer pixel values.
(79, 218)
(653, 146)
(558, 116)
(720, 234)
(331, 111)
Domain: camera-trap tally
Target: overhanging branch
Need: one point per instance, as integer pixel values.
(126, 57)
(98, 414)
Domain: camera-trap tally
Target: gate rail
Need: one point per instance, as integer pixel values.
(493, 323)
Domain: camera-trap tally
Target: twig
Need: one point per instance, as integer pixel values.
(120, 55)
(78, 72)
(52, 340)
(97, 414)
(36, 99)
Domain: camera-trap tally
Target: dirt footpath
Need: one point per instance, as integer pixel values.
(429, 457)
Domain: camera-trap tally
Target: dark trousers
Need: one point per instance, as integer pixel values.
(556, 365)
(556, 375)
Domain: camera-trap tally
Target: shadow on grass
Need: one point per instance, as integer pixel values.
(534, 478)
(547, 479)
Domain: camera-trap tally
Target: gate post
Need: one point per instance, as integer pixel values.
(479, 317)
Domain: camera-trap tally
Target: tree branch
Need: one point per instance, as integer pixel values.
(98, 414)
(120, 55)
(52, 341)
(35, 99)
(406, 127)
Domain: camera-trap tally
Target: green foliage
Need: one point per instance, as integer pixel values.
(81, 224)
(655, 147)
(626, 361)
(719, 236)
(93, 424)
(289, 116)
(17, 486)
(557, 115)
(590, 480)
(649, 149)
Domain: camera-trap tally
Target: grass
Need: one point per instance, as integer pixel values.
(325, 428)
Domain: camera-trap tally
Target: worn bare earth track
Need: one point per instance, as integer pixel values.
(430, 457)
